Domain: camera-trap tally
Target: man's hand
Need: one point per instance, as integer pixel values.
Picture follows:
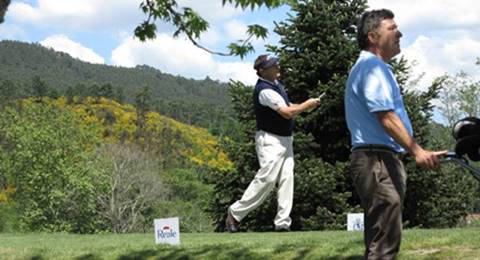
(428, 159)
(395, 128)
(313, 102)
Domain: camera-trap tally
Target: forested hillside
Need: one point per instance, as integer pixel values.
(97, 165)
(98, 144)
(200, 102)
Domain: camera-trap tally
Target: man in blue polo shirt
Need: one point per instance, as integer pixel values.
(273, 142)
(380, 131)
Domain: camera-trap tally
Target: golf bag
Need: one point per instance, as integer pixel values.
(467, 135)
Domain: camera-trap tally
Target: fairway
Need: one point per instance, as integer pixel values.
(462, 243)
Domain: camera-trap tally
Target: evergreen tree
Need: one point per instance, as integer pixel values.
(317, 50)
(120, 94)
(143, 103)
(94, 90)
(106, 91)
(39, 87)
(10, 92)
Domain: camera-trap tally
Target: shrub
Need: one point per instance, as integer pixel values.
(49, 160)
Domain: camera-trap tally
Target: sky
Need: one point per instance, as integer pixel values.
(439, 36)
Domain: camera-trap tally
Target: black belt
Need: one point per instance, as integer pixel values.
(377, 148)
(374, 148)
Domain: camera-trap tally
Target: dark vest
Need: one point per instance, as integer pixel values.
(268, 119)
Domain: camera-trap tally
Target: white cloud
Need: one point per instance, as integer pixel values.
(432, 14)
(440, 36)
(64, 44)
(22, 12)
(235, 29)
(211, 37)
(420, 54)
(116, 17)
(436, 56)
(78, 15)
(180, 57)
(241, 71)
(13, 32)
(106, 14)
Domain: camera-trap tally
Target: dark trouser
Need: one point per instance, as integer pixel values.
(380, 180)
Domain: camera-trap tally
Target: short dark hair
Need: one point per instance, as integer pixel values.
(370, 22)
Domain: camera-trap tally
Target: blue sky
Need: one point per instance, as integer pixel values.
(439, 36)
(102, 32)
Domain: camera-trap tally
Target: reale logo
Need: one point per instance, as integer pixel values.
(166, 232)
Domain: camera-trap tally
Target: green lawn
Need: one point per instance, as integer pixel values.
(461, 243)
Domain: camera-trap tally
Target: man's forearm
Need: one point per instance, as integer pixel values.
(293, 110)
(396, 129)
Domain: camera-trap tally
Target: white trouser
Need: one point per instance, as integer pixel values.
(275, 156)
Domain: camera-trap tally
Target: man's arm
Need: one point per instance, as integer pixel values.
(395, 128)
(293, 110)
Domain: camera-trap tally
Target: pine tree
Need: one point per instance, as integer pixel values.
(142, 101)
(39, 87)
(317, 50)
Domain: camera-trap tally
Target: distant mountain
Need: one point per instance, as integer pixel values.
(199, 102)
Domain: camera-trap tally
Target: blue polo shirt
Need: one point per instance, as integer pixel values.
(372, 87)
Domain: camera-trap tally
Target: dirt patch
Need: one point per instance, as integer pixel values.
(427, 251)
(461, 250)
(6, 251)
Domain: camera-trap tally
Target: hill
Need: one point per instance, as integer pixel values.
(199, 102)
(93, 164)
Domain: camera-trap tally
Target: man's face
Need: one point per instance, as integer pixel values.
(272, 72)
(388, 39)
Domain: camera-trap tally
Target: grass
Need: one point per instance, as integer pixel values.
(460, 243)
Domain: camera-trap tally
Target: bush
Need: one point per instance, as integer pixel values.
(188, 199)
(131, 184)
(192, 217)
(8, 217)
(49, 161)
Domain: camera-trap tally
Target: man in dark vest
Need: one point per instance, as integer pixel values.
(274, 115)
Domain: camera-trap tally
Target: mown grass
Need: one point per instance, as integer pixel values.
(460, 243)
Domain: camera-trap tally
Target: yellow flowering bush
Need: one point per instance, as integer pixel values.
(118, 123)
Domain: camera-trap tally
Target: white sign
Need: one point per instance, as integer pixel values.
(355, 221)
(167, 231)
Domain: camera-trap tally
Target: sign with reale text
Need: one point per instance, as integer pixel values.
(167, 231)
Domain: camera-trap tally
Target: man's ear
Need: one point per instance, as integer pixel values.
(372, 37)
